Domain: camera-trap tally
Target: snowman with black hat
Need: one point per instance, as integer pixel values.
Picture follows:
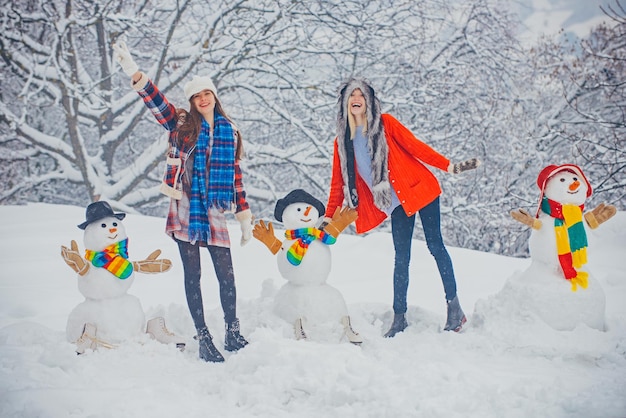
(316, 308)
(109, 315)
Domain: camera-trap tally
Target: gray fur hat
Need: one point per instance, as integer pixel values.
(376, 140)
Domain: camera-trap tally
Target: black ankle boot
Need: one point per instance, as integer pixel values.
(456, 317)
(233, 340)
(398, 325)
(208, 351)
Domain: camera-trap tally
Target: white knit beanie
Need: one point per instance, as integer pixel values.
(197, 84)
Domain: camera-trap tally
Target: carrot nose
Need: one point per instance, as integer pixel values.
(112, 230)
(306, 212)
(574, 185)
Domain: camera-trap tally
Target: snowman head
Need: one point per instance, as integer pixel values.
(298, 209)
(106, 231)
(300, 215)
(564, 184)
(103, 227)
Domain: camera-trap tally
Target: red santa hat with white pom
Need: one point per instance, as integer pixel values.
(552, 170)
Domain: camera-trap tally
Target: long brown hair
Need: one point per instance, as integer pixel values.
(190, 123)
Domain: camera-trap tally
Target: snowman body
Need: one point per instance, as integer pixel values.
(543, 287)
(307, 295)
(116, 314)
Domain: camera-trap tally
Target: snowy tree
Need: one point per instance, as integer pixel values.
(594, 88)
(572, 111)
(79, 133)
(457, 86)
(76, 131)
(73, 130)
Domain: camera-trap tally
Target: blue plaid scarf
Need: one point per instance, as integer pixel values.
(217, 188)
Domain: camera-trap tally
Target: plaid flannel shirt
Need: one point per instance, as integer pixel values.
(178, 214)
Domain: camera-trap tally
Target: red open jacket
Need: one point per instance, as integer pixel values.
(413, 183)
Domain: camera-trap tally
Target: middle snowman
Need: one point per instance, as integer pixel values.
(304, 260)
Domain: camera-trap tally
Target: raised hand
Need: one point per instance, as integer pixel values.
(73, 259)
(600, 215)
(151, 264)
(265, 234)
(340, 220)
(121, 54)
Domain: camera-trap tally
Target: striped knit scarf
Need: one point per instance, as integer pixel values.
(215, 188)
(571, 239)
(304, 237)
(114, 258)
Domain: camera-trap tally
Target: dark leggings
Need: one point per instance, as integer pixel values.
(402, 233)
(223, 264)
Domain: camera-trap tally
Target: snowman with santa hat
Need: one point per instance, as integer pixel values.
(559, 287)
(316, 309)
(109, 315)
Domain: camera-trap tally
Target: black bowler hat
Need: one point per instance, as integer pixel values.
(297, 196)
(99, 210)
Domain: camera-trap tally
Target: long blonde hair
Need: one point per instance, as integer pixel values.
(352, 121)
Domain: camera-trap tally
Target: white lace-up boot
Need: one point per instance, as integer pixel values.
(88, 340)
(352, 336)
(156, 329)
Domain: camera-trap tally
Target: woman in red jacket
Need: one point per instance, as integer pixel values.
(378, 168)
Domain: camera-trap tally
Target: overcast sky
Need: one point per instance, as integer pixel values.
(550, 16)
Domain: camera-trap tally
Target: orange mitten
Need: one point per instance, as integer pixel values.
(152, 265)
(526, 218)
(340, 221)
(73, 259)
(600, 215)
(265, 234)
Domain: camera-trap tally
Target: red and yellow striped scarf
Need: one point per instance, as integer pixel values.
(114, 258)
(571, 239)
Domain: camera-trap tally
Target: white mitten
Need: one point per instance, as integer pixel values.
(122, 56)
(245, 220)
(463, 166)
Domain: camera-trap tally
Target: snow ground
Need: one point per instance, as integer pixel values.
(504, 363)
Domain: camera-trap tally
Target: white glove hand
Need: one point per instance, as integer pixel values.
(245, 219)
(464, 166)
(122, 55)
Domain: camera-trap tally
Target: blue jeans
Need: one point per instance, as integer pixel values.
(223, 264)
(402, 233)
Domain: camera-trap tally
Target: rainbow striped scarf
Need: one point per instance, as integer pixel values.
(571, 239)
(304, 237)
(114, 258)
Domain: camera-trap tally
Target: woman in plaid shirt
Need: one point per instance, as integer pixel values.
(204, 180)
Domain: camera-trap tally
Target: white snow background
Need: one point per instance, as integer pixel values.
(505, 363)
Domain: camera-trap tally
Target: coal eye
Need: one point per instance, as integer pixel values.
(562, 180)
(299, 209)
(103, 225)
(114, 223)
(575, 178)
